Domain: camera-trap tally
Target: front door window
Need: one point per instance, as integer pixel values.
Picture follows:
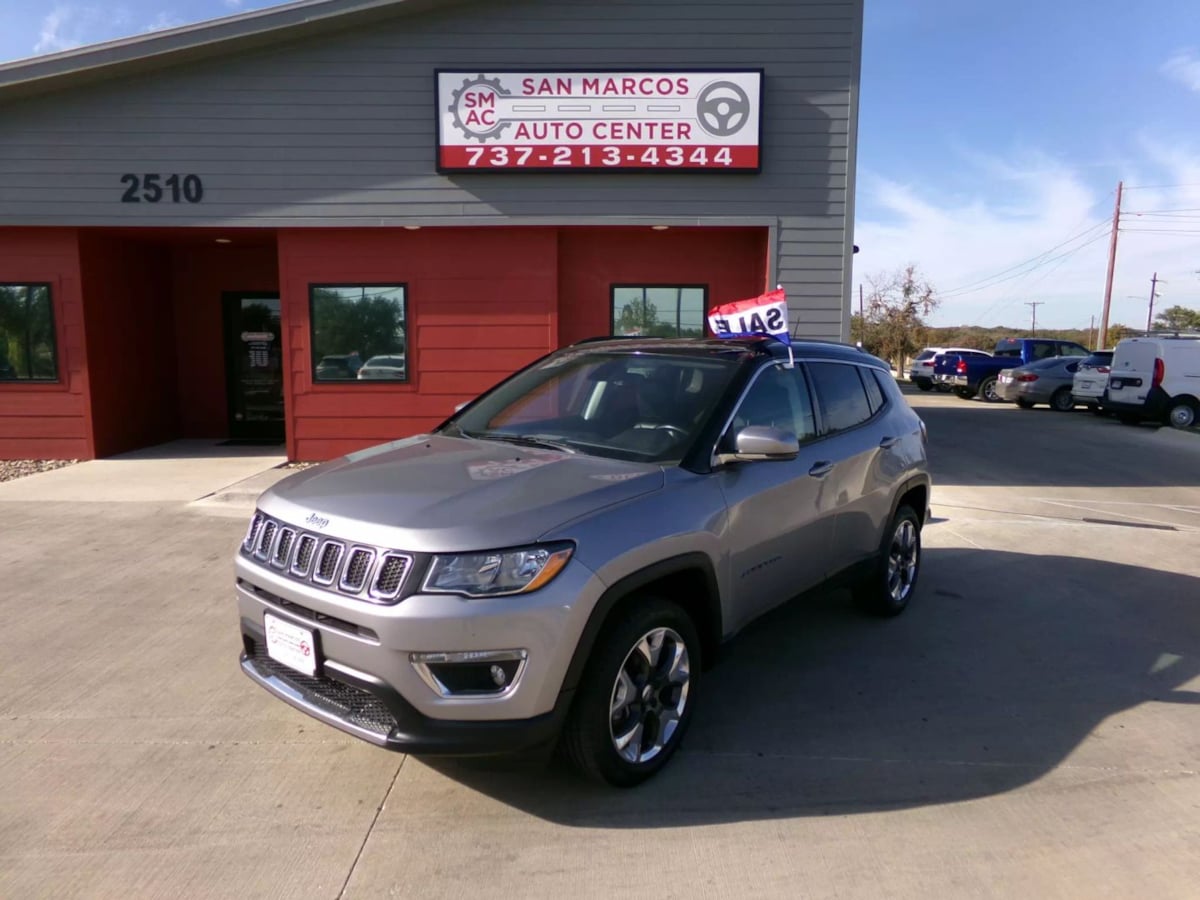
(254, 367)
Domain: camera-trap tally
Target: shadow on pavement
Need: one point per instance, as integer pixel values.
(1003, 666)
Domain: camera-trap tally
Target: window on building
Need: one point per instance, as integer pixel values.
(27, 346)
(659, 311)
(359, 332)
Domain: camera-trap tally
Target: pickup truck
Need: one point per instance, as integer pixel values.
(971, 376)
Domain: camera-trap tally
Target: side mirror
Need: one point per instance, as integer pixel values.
(760, 443)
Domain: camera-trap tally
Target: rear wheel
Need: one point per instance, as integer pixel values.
(925, 385)
(987, 390)
(887, 590)
(1024, 404)
(1183, 412)
(636, 696)
(1062, 401)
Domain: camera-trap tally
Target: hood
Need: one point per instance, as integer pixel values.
(440, 494)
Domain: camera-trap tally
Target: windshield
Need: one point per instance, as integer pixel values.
(644, 407)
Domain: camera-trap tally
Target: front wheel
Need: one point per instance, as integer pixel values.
(987, 390)
(889, 587)
(1183, 413)
(637, 694)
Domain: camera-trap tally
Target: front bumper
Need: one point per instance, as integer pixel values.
(366, 684)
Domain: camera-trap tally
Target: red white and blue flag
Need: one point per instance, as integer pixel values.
(765, 314)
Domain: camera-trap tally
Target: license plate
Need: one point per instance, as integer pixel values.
(291, 645)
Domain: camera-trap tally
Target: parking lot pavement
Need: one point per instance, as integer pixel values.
(1030, 727)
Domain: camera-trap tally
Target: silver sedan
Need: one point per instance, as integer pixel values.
(1045, 381)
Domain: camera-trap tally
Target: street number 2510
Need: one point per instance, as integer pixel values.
(154, 188)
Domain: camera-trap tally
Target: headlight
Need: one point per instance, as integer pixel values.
(498, 572)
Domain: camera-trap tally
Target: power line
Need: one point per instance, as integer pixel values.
(1147, 187)
(1033, 263)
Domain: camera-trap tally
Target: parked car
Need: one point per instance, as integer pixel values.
(1156, 378)
(970, 376)
(921, 371)
(1091, 380)
(564, 556)
(384, 367)
(338, 367)
(1045, 381)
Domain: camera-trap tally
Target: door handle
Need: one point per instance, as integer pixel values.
(888, 443)
(821, 469)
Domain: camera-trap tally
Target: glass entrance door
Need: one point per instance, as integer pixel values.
(254, 366)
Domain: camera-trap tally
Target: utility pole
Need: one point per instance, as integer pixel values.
(1112, 264)
(1154, 283)
(1092, 334)
(1034, 304)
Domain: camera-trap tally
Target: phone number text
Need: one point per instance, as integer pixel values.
(587, 156)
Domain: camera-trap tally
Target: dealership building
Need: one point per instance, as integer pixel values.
(328, 223)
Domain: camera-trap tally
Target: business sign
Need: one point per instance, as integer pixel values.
(615, 121)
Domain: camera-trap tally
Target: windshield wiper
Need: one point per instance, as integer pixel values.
(524, 440)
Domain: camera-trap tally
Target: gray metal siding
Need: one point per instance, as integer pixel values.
(339, 130)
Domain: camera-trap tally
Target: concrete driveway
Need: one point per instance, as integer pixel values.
(1031, 727)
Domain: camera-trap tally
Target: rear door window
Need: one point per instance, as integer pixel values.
(874, 390)
(841, 396)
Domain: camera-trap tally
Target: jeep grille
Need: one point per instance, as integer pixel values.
(370, 573)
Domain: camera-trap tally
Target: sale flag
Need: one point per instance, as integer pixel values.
(765, 314)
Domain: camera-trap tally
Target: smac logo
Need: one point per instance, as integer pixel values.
(316, 521)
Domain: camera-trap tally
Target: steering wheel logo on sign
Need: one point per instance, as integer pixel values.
(722, 108)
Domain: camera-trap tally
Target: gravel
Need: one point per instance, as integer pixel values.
(19, 468)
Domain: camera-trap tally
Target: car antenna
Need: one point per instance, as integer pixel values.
(791, 363)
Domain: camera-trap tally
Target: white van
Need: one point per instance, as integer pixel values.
(1156, 378)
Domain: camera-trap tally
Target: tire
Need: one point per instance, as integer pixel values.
(1024, 404)
(924, 386)
(888, 589)
(964, 393)
(652, 639)
(1183, 412)
(942, 388)
(987, 390)
(1062, 401)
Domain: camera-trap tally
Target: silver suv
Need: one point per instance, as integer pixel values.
(562, 559)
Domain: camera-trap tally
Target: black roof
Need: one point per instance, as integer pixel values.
(763, 346)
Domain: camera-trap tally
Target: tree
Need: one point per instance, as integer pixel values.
(639, 317)
(895, 308)
(1178, 318)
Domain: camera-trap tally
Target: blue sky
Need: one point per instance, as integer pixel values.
(989, 134)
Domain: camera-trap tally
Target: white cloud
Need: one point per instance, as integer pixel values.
(62, 29)
(991, 251)
(1184, 67)
(162, 22)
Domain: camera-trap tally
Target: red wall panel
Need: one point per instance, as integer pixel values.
(48, 421)
(199, 275)
(481, 302)
(731, 261)
(130, 341)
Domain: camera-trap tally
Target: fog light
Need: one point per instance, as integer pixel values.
(471, 673)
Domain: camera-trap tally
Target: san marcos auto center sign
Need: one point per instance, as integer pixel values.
(599, 120)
